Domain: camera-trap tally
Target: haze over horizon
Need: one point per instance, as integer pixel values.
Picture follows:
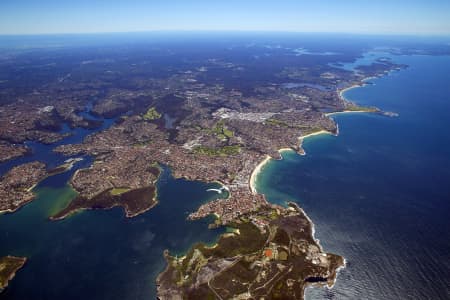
(346, 16)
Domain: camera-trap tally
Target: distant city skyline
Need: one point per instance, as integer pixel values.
(346, 16)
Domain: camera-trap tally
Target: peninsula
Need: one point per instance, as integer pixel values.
(270, 254)
(16, 185)
(9, 265)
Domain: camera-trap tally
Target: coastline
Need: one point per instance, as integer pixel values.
(303, 137)
(258, 169)
(347, 112)
(12, 264)
(68, 165)
(341, 96)
(354, 86)
(255, 173)
(337, 273)
(6, 211)
(362, 83)
(330, 283)
(13, 210)
(127, 212)
(313, 134)
(260, 166)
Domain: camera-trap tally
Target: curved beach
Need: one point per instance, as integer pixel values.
(255, 173)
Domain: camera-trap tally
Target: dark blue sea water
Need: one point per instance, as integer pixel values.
(97, 254)
(100, 254)
(379, 193)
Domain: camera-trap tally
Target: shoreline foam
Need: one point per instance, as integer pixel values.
(339, 269)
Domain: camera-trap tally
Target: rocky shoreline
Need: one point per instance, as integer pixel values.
(271, 253)
(9, 265)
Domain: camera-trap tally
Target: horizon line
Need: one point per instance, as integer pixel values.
(370, 33)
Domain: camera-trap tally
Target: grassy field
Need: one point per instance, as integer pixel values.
(152, 114)
(118, 191)
(222, 151)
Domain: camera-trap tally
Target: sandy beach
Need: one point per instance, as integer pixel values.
(341, 92)
(255, 173)
(6, 211)
(361, 84)
(301, 138)
(347, 112)
(33, 186)
(313, 134)
(260, 166)
(285, 150)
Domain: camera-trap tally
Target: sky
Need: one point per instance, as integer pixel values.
(423, 17)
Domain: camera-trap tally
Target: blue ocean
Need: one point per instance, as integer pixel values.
(379, 193)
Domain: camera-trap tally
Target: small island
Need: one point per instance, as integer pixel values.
(9, 265)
